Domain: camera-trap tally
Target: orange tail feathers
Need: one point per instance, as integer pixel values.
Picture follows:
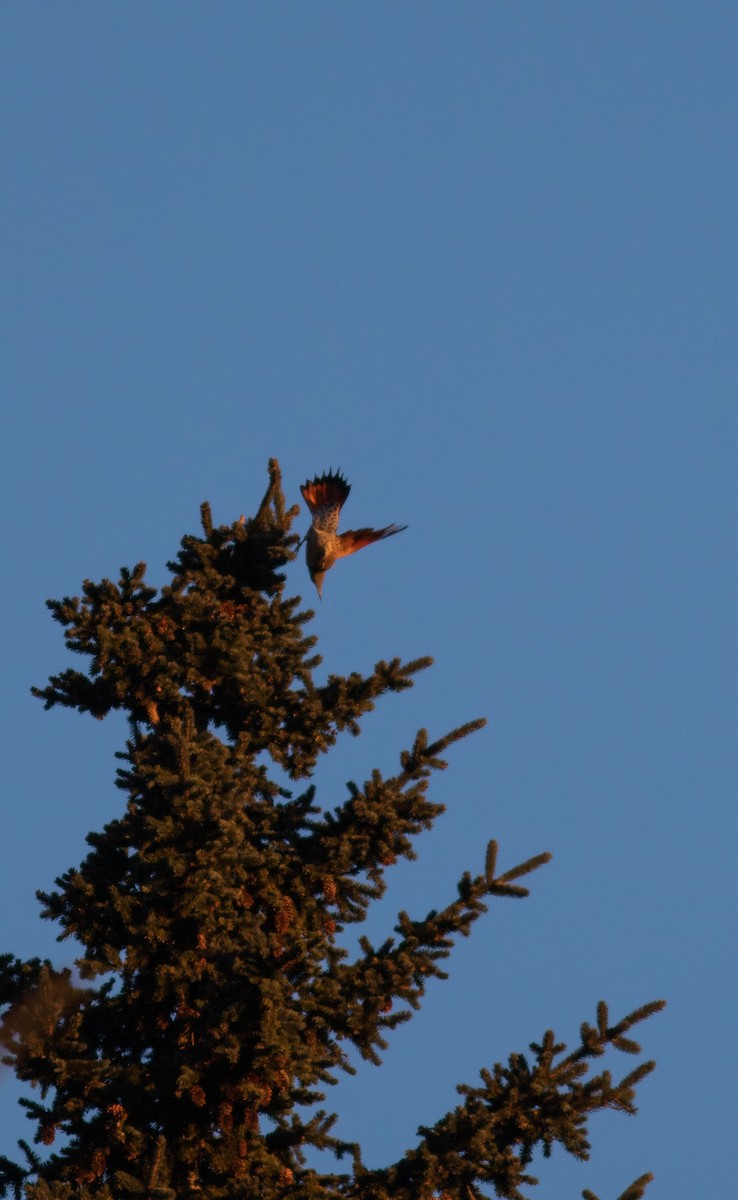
(354, 539)
(326, 491)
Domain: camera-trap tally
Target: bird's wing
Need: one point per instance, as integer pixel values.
(354, 539)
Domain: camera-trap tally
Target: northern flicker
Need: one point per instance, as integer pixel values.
(325, 496)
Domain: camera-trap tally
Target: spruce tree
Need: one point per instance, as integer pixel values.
(213, 1004)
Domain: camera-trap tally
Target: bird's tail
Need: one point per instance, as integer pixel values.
(326, 491)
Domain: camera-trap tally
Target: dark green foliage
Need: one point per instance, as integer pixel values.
(634, 1192)
(213, 1003)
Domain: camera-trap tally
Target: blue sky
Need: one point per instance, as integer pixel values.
(482, 257)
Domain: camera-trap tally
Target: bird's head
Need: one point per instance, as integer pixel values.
(317, 578)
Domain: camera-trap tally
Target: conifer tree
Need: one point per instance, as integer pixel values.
(212, 1004)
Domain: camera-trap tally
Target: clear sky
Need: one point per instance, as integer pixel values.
(482, 257)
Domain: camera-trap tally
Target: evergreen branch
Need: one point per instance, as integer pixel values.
(525, 868)
(347, 698)
(490, 1138)
(502, 885)
(635, 1191)
(272, 497)
(206, 519)
(12, 1177)
(373, 828)
(594, 1039)
(436, 748)
(373, 984)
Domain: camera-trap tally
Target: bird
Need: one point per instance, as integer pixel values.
(325, 496)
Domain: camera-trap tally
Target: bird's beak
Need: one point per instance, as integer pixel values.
(318, 578)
